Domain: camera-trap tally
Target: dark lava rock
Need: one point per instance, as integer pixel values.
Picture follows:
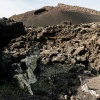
(10, 30)
(52, 58)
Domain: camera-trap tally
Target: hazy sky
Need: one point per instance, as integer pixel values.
(12, 7)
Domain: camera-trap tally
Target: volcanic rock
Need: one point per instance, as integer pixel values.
(56, 56)
(10, 30)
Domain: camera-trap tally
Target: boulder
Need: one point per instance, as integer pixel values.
(10, 30)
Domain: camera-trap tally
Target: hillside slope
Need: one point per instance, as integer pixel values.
(54, 15)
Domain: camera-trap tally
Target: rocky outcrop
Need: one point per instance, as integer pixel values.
(53, 58)
(10, 30)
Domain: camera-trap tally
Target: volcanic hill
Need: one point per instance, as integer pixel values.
(49, 15)
(60, 61)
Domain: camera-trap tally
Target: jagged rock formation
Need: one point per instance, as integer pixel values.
(64, 52)
(10, 30)
(79, 43)
(55, 15)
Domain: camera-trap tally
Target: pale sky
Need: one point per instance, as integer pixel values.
(12, 7)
